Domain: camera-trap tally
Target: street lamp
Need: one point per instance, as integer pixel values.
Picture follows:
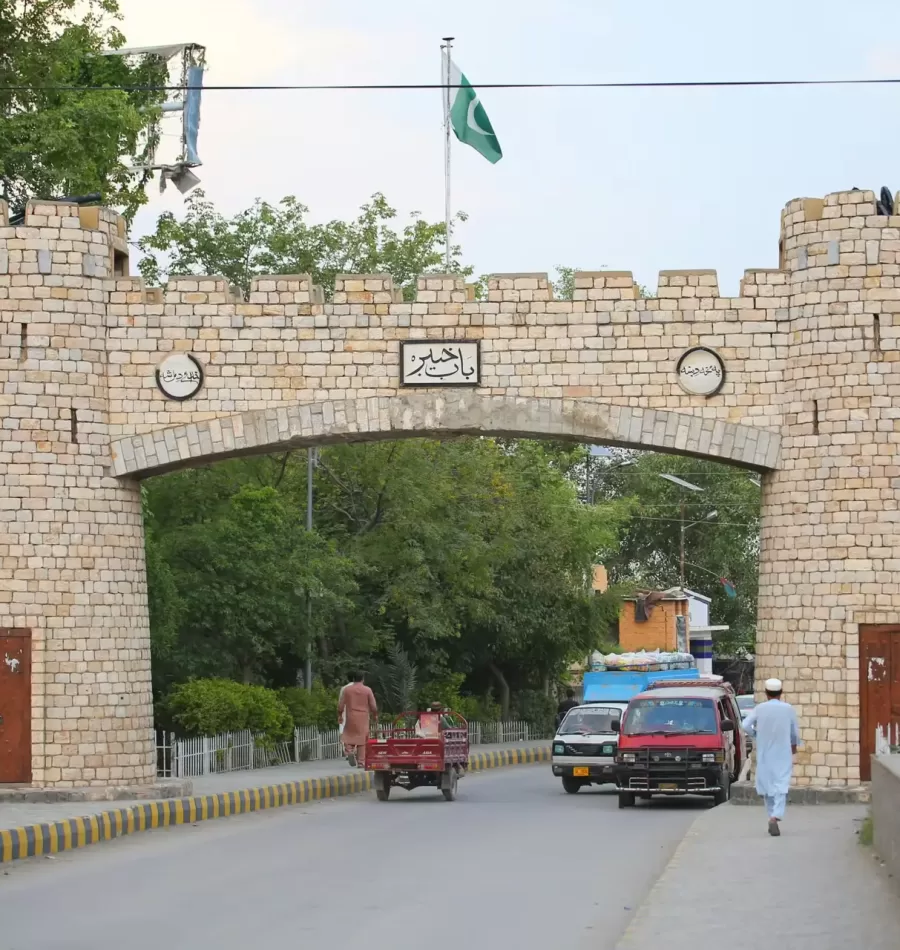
(590, 483)
(312, 460)
(710, 517)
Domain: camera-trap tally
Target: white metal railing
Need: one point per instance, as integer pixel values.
(238, 751)
(887, 739)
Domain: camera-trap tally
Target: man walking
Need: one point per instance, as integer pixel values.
(773, 724)
(568, 703)
(358, 702)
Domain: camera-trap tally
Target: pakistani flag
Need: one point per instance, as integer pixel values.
(468, 118)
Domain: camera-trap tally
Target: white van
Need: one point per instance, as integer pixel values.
(584, 748)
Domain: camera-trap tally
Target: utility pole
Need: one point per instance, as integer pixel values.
(310, 470)
(681, 570)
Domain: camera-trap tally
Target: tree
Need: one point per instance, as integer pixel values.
(467, 557)
(242, 566)
(278, 239)
(56, 141)
(726, 546)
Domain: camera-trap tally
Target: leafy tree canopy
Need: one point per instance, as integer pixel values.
(279, 239)
(57, 142)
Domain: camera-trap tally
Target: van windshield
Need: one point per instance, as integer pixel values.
(647, 717)
(589, 721)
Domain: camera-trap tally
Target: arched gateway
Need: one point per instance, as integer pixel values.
(797, 378)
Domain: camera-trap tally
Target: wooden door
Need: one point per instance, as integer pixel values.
(879, 688)
(15, 706)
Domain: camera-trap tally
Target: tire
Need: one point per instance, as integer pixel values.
(724, 794)
(382, 787)
(571, 785)
(626, 799)
(449, 782)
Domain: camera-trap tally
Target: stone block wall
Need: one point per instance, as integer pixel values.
(810, 351)
(71, 535)
(285, 346)
(831, 524)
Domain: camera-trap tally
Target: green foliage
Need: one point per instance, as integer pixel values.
(564, 285)
(234, 571)
(728, 546)
(447, 690)
(867, 831)
(209, 707)
(312, 707)
(278, 239)
(56, 142)
(536, 708)
(394, 681)
(462, 564)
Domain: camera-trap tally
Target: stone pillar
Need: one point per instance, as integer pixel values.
(71, 536)
(830, 514)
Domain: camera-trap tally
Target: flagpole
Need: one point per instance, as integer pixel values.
(448, 40)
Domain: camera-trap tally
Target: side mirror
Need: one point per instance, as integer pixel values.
(615, 725)
(727, 725)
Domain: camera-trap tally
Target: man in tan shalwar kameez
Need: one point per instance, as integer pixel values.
(358, 702)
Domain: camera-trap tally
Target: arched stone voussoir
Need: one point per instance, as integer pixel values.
(442, 414)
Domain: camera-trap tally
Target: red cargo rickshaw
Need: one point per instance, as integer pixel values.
(417, 749)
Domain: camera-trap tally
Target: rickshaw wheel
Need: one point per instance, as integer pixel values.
(449, 782)
(382, 786)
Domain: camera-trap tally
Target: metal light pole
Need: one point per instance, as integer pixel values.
(310, 470)
(710, 517)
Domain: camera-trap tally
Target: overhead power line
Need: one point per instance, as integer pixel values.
(397, 87)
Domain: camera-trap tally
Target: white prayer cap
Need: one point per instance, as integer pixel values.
(773, 685)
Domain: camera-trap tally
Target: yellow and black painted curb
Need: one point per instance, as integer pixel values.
(51, 837)
(478, 761)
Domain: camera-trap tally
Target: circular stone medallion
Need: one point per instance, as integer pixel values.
(179, 376)
(701, 371)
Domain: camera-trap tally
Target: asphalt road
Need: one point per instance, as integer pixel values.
(514, 862)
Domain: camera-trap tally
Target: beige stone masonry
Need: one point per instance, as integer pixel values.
(810, 397)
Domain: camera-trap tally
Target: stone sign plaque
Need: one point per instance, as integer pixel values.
(440, 363)
(701, 371)
(179, 376)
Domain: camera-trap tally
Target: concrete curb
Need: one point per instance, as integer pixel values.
(52, 837)
(744, 793)
(644, 909)
(166, 788)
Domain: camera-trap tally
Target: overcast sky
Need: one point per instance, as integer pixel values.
(638, 180)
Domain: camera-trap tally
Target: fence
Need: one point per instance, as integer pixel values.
(238, 751)
(887, 739)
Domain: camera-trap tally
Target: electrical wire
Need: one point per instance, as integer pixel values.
(397, 87)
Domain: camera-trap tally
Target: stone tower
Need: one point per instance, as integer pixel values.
(831, 525)
(71, 536)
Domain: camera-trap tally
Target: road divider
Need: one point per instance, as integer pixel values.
(52, 837)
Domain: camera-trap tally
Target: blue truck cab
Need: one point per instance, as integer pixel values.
(584, 747)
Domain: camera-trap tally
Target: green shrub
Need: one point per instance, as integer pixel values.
(536, 708)
(208, 707)
(478, 708)
(447, 691)
(312, 707)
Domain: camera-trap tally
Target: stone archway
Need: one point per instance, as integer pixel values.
(442, 414)
(811, 382)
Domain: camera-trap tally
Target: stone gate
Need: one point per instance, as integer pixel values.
(810, 355)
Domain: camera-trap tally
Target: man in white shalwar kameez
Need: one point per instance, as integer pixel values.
(773, 725)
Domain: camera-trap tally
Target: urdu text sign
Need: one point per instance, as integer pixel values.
(440, 363)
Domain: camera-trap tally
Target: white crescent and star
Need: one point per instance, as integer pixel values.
(471, 121)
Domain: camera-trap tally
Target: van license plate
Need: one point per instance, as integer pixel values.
(668, 786)
(580, 772)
